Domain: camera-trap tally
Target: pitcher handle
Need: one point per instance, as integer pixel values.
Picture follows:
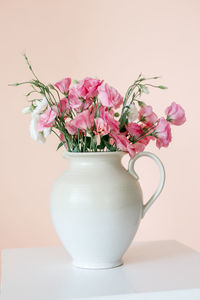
(162, 177)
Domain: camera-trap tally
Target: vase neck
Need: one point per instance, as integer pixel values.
(94, 158)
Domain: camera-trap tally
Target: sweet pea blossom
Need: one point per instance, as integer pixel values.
(63, 85)
(41, 106)
(133, 129)
(74, 100)
(132, 113)
(141, 144)
(107, 116)
(70, 127)
(163, 133)
(39, 136)
(146, 115)
(80, 95)
(88, 87)
(175, 114)
(102, 127)
(83, 120)
(46, 119)
(123, 144)
(63, 106)
(109, 96)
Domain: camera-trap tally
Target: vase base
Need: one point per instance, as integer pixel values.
(97, 266)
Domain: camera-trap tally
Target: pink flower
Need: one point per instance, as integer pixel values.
(88, 88)
(109, 96)
(102, 127)
(146, 115)
(109, 119)
(71, 128)
(163, 133)
(123, 144)
(104, 111)
(133, 129)
(75, 101)
(83, 120)
(46, 119)
(175, 114)
(141, 144)
(63, 106)
(63, 85)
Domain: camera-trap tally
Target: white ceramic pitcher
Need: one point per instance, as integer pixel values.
(97, 205)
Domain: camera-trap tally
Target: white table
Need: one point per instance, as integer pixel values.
(152, 270)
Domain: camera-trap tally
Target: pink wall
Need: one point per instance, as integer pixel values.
(114, 40)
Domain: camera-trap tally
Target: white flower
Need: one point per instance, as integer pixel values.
(27, 110)
(39, 136)
(46, 131)
(35, 134)
(133, 113)
(41, 106)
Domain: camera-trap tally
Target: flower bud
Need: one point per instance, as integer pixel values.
(27, 110)
(133, 113)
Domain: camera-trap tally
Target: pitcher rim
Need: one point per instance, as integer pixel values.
(67, 154)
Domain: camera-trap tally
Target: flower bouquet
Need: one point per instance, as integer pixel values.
(89, 115)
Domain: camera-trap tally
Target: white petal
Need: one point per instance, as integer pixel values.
(33, 127)
(47, 131)
(41, 138)
(42, 105)
(35, 134)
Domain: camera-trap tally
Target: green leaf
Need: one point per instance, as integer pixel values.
(101, 146)
(60, 145)
(104, 140)
(76, 149)
(88, 141)
(110, 147)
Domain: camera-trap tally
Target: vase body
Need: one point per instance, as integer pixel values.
(96, 207)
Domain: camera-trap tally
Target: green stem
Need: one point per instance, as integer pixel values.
(146, 134)
(59, 138)
(60, 127)
(78, 139)
(85, 141)
(30, 67)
